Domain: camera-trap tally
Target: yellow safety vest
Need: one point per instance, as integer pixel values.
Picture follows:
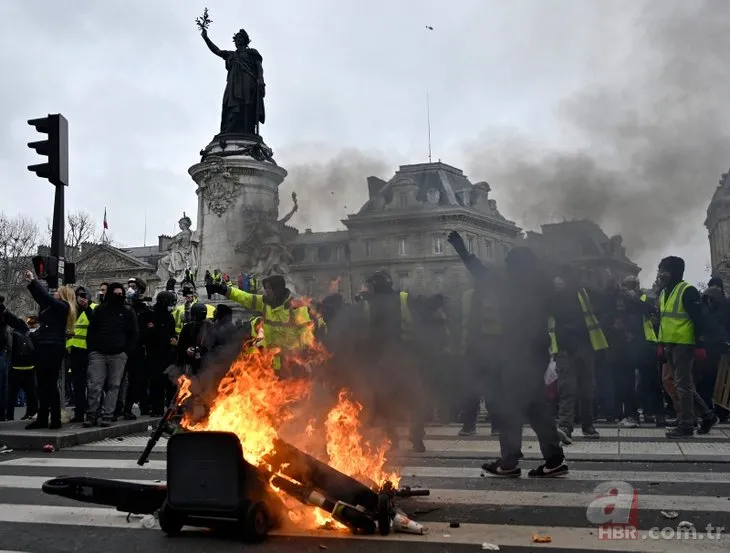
(595, 334)
(490, 323)
(675, 326)
(289, 326)
(406, 319)
(598, 339)
(649, 333)
(553, 338)
(178, 314)
(217, 279)
(78, 340)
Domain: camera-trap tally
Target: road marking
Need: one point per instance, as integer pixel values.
(601, 476)
(65, 462)
(563, 538)
(485, 497)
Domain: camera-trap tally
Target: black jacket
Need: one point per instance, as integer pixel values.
(157, 328)
(7, 319)
(51, 316)
(112, 330)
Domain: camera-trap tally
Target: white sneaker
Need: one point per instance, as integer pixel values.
(628, 422)
(5, 449)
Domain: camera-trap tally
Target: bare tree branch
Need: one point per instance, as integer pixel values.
(18, 244)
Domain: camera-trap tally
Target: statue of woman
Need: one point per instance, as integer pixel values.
(182, 253)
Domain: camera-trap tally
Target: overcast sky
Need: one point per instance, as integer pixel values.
(510, 87)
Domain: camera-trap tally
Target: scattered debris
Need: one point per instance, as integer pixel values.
(539, 538)
(322, 546)
(158, 481)
(149, 521)
(490, 547)
(445, 535)
(670, 514)
(454, 524)
(49, 448)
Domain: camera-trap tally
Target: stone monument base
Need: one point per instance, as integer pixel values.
(238, 196)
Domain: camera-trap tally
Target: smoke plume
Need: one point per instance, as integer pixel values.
(653, 137)
(328, 190)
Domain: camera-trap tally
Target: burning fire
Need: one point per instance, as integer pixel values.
(347, 450)
(253, 403)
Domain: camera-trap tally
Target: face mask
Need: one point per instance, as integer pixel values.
(117, 298)
(101, 296)
(131, 294)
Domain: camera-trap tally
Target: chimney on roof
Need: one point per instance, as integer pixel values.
(307, 231)
(375, 185)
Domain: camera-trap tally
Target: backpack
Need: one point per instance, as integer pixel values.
(24, 344)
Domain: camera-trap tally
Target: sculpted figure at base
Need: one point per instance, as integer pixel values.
(182, 254)
(264, 248)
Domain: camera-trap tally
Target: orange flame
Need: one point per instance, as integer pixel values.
(183, 389)
(347, 449)
(255, 404)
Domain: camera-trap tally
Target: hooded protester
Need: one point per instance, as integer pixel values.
(112, 336)
(196, 340)
(224, 330)
(159, 338)
(516, 386)
(133, 389)
(78, 352)
(57, 317)
(391, 318)
(9, 325)
(716, 339)
(288, 323)
(681, 341)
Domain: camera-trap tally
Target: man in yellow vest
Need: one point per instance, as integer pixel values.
(78, 354)
(578, 336)
(680, 337)
(516, 382)
(287, 321)
(181, 313)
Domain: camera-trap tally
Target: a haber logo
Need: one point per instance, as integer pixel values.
(615, 510)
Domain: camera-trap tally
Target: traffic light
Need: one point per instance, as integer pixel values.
(55, 148)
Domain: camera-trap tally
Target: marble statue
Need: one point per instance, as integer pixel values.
(182, 254)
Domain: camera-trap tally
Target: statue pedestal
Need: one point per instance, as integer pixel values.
(238, 186)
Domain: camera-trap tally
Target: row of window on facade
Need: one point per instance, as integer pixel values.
(316, 287)
(488, 249)
(439, 246)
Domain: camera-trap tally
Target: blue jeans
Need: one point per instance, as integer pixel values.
(4, 362)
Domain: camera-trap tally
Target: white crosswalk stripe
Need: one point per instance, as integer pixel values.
(503, 512)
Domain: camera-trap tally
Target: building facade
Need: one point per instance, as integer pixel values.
(718, 229)
(402, 228)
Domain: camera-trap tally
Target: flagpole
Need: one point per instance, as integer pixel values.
(145, 227)
(429, 29)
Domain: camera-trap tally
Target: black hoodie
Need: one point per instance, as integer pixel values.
(51, 316)
(113, 329)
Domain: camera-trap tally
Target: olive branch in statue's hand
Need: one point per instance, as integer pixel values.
(204, 21)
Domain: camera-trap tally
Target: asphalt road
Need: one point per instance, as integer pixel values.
(503, 512)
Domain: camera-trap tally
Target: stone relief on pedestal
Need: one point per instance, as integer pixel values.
(182, 253)
(220, 186)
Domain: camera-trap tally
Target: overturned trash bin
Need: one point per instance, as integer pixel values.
(210, 485)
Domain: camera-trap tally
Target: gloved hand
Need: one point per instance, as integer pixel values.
(221, 289)
(660, 350)
(455, 239)
(700, 354)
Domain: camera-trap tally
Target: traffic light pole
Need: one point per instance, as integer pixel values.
(55, 148)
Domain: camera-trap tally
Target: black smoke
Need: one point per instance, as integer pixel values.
(651, 138)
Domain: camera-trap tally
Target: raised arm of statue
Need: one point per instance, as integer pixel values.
(213, 48)
(291, 213)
